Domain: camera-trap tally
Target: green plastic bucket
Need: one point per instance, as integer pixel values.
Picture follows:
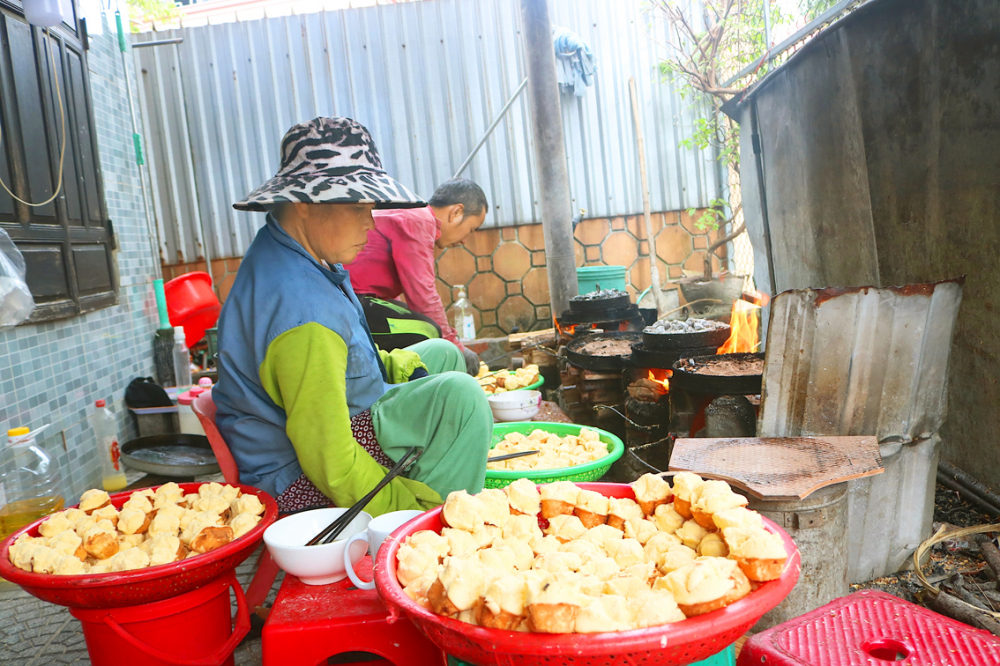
(592, 471)
(609, 277)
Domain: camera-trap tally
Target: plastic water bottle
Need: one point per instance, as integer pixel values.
(461, 316)
(31, 482)
(106, 433)
(182, 360)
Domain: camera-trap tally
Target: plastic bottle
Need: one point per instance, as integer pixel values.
(189, 421)
(182, 360)
(31, 482)
(106, 433)
(461, 316)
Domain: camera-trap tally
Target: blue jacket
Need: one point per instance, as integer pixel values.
(279, 287)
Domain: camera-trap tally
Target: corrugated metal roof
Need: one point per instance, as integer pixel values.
(426, 78)
(859, 361)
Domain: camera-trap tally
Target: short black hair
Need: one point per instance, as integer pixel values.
(460, 191)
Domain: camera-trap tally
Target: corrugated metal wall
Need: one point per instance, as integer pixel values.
(426, 78)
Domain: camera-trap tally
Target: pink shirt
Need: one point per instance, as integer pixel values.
(399, 259)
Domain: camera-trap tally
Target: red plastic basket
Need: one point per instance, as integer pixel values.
(674, 644)
(141, 586)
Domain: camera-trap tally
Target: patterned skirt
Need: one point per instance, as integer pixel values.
(302, 494)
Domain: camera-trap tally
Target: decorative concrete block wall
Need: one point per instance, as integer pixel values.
(504, 270)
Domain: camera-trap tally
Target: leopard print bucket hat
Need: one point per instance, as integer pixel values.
(330, 160)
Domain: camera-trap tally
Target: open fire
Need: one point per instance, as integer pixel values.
(663, 380)
(744, 323)
(652, 387)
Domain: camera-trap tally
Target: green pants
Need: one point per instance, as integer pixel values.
(445, 414)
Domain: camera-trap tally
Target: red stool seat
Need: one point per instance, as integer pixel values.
(868, 628)
(310, 623)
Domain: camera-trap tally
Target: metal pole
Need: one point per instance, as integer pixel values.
(158, 42)
(550, 154)
(489, 130)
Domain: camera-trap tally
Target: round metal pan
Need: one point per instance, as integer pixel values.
(674, 341)
(572, 317)
(664, 360)
(694, 382)
(589, 362)
(600, 304)
(177, 455)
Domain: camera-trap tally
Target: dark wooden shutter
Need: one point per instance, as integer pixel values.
(68, 243)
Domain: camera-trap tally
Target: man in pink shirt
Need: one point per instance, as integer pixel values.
(399, 260)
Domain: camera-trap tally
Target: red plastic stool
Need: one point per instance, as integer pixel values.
(871, 628)
(310, 623)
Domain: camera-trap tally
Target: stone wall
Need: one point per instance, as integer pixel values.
(504, 273)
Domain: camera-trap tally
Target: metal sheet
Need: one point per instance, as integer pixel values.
(859, 361)
(868, 361)
(217, 105)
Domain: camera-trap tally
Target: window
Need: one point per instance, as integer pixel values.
(67, 244)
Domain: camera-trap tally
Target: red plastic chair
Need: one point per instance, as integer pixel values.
(267, 569)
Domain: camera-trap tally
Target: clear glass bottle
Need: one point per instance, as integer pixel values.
(182, 361)
(31, 482)
(106, 435)
(461, 316)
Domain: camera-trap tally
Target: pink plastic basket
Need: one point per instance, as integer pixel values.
(142, 586)
(675, 644)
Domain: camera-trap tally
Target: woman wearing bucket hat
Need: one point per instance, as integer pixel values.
(312, 410)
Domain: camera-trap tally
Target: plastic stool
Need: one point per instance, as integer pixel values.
(869, 628)
(310, 623)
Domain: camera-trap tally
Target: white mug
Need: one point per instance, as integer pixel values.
(378, 531)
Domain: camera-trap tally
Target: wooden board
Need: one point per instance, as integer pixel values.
(518, 340)
(779, 468)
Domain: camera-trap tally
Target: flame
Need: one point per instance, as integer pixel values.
(565, 329)
(743, 322)
(662, 381)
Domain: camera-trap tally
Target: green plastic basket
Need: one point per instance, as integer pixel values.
(591, 471)
(531, 387)
(537, 384)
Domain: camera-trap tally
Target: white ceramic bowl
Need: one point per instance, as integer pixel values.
(515, 405)
(314, 565)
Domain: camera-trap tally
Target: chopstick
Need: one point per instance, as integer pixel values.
(333, 530)
(508, 456)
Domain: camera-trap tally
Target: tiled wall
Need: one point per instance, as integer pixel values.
(53, 372)
(503, 270)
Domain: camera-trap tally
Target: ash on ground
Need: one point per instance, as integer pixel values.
(946, 558)
(600, 295)
(669, 326)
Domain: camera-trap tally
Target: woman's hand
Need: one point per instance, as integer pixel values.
(471, 361)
